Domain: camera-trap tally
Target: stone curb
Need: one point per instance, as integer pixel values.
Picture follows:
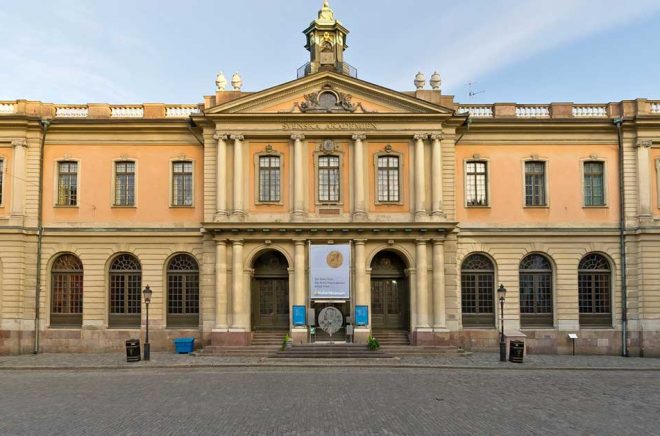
(329, 365)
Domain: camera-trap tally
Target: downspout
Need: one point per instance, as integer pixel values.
(40, 234)
(618, 122)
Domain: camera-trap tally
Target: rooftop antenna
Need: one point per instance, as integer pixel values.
(472, 92)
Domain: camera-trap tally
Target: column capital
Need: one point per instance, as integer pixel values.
(19, 142)
(237, 137)
(645, 143)
(359, 137)
(297, 137)
(359, 241)
(220, 136)
(421, 136)
(237, 242)
(438, 241)
(421, 241)
(437, 136)
(300, 241)
(221, 242)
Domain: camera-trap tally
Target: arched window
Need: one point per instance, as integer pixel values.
(66, 291)
(182, 291)
(535, 292)
(594, 291)
(477, 291)
(125, 291)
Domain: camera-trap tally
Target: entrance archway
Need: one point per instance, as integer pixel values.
(390, 296)
(270, 292)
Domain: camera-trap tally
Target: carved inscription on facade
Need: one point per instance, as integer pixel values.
(328, 126)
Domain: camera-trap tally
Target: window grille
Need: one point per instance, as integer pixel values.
(535, 183)
(182, 183)
(476, 183)
(594, 291)
(388, 178)
(67, 184)
(594, 189)
(269, 179)
(183, 291)
(125, 183)
(329, 179)
(477, 291)
(535, 291)
(66, 291)
(125, 291)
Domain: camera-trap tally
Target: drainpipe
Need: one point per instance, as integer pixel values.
(40, 234)
(618, 122)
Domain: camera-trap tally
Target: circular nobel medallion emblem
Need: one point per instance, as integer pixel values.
(331, 320)
(335, 259)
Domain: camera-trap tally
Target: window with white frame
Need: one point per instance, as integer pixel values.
(2, 179)
(329, 179)
(594, 186)
(269, 179)
(67, 183)
(535, 181)
(388, 179)
(182, 183)
(125, 183)
(476, 183)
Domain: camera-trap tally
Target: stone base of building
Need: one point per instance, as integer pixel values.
(231, 339)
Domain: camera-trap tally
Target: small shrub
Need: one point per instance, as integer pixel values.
(285, 342)
(372, 343)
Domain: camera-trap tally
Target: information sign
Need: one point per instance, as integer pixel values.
(361, 315)
(299, 316)
(330, 271)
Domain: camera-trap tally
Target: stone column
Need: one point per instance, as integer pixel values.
(299, 273)
(643, 178)
(221, 177)
(361, 290)
(436, 176)
(657, 179)
(18, 181)
(439, 316)
(422, 286)
(298, 177)
(237, 292)
(359, 181)
(221, 297)
(239, 210)
(420, 185)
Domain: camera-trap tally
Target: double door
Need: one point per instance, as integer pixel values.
(272, 303)
(389, 303)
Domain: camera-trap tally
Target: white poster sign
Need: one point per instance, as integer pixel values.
(330, 272)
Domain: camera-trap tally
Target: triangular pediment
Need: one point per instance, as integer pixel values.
(328, 92)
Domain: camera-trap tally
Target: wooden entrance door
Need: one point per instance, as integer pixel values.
(388, 305)
(272, 304)
(270, 292)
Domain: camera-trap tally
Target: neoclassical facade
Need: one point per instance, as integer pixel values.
(217, 206)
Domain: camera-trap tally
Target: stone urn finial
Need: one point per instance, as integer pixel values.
(435, 81)
(236, 82)
(220, 82)
(420, 80)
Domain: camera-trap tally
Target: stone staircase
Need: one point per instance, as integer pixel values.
(268, 337)
(391, 337)
(331, 351)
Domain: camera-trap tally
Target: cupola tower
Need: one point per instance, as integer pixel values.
(326, 42)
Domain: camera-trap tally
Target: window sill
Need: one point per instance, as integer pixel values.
(269, 203)
(389, 203)
(118, 206)
(596, 327)
(64, 206)
(470, 206)
(174, 206)
(537, 207)
(604, 206)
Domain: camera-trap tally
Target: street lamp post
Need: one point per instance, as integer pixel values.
(501, 292)
(147, 299)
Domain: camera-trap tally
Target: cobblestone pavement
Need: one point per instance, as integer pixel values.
(475, 360)
(300, 401)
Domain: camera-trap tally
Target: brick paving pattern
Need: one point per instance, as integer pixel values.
(302, 401)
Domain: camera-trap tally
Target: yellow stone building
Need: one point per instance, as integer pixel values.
(426, 205)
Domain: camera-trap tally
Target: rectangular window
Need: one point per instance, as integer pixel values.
(269, 179)
(67, 183)
(594, 190)
(182, 180)
(388, 179)
(2, 178)
(535, 184)
(476, 183)
(125, 183)
(329, 179)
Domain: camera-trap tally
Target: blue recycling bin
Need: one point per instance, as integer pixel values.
(184, 345)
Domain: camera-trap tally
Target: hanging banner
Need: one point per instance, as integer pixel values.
(330, 272)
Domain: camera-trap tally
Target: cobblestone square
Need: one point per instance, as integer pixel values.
(305, 401)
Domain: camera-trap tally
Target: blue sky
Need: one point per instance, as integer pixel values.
(133, 51)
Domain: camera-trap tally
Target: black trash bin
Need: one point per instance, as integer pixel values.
(516, 351)
(133, 350)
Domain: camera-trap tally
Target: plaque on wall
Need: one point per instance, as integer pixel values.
(361, 315)
(299, 316)
(331, 320)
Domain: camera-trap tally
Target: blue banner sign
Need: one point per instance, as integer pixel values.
(329, 272)
(361, 315)
(299, 316)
